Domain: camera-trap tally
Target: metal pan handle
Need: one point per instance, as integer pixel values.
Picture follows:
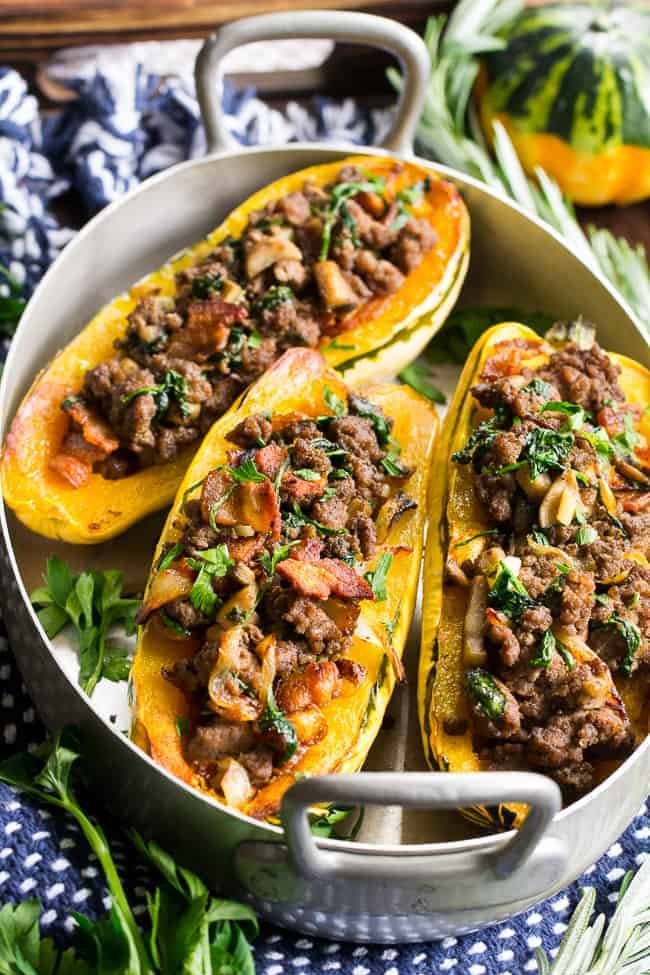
(544, 856)
(405, 44)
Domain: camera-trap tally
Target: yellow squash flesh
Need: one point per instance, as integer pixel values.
(296, 383)
(456, 514)
(380, 338)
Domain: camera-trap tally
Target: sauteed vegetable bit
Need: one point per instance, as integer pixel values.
(301, 266)
(266, 579)
(559, 584)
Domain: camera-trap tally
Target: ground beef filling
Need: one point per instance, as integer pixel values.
(301, 267)
(559, 588)
(266, 581)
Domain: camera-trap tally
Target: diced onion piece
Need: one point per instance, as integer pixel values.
(336, 292)
(172, 583)
(607, 496)
(561, 502)
(552, 551)
(533, 489)
(490, 558)
(235, 784)
(474, 653)
(513, 563)
(240, 605)
(228, 698)
(615, 580)
(598, 686)
(266, 651)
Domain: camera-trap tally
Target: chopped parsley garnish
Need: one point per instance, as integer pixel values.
(170, 556)
(205, 285)
(466, 541)
(419, 378)
(484, 691)
(246, 472)
(599, 440)
(575, 414)
(379, 576)
(306, 474)
(539, 537)
(545, 650)
(539, 388)
(544, 450)
(392, 467)
(254, 340)
(172, 624)
(335, 344)
(173, 387)
(585, 535)
(213, 563)
(334, 402)
(566, 654)
(182, 725)
(280, 553)
(480, 440)
(276, 295)
(381, 426)
(275, 720)
(408, 197)
(508, 594)
(337, 208)
(632, 637)
(625, 442)
(297, 519)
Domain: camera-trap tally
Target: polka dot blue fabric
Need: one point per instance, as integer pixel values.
(120, 130)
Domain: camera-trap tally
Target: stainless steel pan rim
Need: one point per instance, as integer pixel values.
(484, 853)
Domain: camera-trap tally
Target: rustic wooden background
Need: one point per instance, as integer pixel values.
(30, 30)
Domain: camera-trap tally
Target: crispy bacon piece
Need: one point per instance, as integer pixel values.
(637, 502)
(351, 670)
(245, 549)
(507, 358)
(251, 503)
(270, 459)
(325, 578)
(308, 550)
(76, 472)
(318, 683)
(95, 430)
(301, 490)
(207, 329)
(613, 417)
(76, 445)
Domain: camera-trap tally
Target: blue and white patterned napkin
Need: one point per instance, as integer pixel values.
(124, 126)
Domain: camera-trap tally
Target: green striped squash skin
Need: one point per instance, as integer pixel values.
(580, 71)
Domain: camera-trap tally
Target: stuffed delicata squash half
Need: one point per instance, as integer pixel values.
(361, 259)
(283, 585)
(536, 623)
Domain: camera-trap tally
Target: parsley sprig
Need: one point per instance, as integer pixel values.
(91, 602)
(213, 563)
(172, 388)
(337, 208)
(189, 930)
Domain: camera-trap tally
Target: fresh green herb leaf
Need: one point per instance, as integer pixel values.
(246, 472)
(170, 556)
(334, 402)
(205, 285)
(419, 378)
(632, 637)
(323, 824)
(335, 344)
(545, 650)
(172, 624)
(539, 388)
(173, 387)
(336, 208)
(483, 690)
(216, 505)
(507, 593)
(254, 340)
(182, 725)
(189, 491)
(576, 416)
(479, 441)
(297, 518)
(546, 450)
(466, 541)
(539, 536)
(634, 600)
(566, 654)
(306, 474)
(91, 602)
(277, 294)
(392, 467)
(602, 598)
(280, 553)
(585, 535)
(273, 719)
(12, 303)
(380, 424)
(213, 563)
(379, 576)
(625, 442)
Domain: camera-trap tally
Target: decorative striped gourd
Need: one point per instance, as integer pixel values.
(572, 87)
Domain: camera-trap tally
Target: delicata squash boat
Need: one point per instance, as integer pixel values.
(538, 658)
(409, 876)
(291, 667)
(362, 258)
